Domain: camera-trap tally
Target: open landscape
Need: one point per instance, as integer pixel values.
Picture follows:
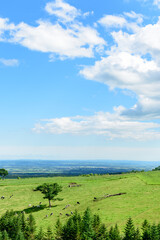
(141, 201)
(80, 120)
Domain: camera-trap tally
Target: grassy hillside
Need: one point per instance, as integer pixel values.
(142, 198)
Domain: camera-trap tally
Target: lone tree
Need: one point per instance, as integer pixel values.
(50, 191)
(3, 172)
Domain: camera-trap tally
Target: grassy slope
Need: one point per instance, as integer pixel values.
(141, 201)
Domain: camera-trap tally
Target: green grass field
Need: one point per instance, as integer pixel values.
(142, 200)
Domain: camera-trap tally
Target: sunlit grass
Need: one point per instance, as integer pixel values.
(140, 202)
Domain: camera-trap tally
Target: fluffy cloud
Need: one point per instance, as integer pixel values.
(132, 63)
(129, 20)
(76, 41)
(126, 71)
(5, 27)
(65, 38)
(110, 125)
(9, 62)
(144, 41)
(62, 10)
(113, 21)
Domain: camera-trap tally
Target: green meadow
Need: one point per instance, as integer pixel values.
(141, 201)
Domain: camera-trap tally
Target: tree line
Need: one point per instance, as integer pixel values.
(86, 227)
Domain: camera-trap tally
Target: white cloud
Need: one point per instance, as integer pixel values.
(9, 62)
(129, 20)
(86, 14)
(133, 64)
(74, 41)
(66, 41)
(62, 10)
(133, 15)
(5, 27)
(113, 21)
(145, 40)
(126, 71)
(110, 125)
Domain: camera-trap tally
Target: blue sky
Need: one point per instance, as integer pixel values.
(80, 79)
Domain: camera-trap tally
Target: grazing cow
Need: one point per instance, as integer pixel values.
(11, 196)
(51, 214)
(29, 205)
(2, 197)
(40, 203)
(67, 206)
(78, 202)
(71, 212)
(67, 214)
(46, 216)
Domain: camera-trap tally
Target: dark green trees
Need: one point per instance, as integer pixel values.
(50, 191)
(129, 230)
(40, 235)
(3, 173)
(114, 233)
(15, 226)
(87, 227)
(30, 228)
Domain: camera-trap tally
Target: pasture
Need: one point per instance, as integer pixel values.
(141, 201)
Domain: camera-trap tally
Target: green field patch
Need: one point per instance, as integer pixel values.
(140, 202)
(151, 177)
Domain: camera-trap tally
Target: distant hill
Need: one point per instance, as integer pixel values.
(43, 168)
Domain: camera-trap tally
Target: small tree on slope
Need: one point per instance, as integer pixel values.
(50, 191)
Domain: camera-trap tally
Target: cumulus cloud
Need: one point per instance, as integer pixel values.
(110, 125)
(132, 63)
(9, 62)
(145, 40)
(62, 10)
(5, 27)
(113, 21)
(128, 20)
(126, 71)
(74, 41)
(65, 38)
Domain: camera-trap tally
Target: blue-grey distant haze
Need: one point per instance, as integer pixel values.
(44, 168)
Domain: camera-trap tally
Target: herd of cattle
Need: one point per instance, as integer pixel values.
(40, 203)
